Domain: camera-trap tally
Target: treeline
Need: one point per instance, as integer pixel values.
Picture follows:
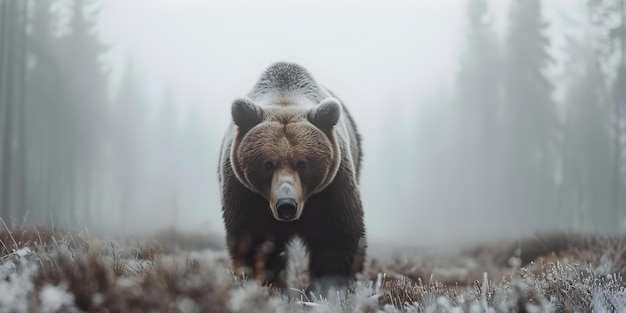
(514, 148)
(73, 153)
(512, 141)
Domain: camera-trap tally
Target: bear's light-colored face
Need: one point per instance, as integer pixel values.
(285, 154)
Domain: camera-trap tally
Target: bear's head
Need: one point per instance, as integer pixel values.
(285, 153)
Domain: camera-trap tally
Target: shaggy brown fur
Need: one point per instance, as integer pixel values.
(313, 144)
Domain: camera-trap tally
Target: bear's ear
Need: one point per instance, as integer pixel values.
(246, 114)
(326, 114)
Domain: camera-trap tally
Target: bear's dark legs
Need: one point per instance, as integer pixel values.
(270, 262)
(333, 264)
(240, 248)
(258, 256)
(326, 286)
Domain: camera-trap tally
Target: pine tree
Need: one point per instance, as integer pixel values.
(587, 147)
(128, 137)
(530, 114)
(86, 104)
(45, 114)
(610, 16)
(169, 147)
(478, 85)
(478, 78)
(13, 22)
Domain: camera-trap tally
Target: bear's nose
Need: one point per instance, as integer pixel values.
(286, 208)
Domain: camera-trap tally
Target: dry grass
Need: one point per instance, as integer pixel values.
(173, 241)
(556, 273)
(101, 277)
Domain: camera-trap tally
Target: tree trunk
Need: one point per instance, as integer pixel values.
(623, 33)
(21, 209)
(87, 203)
(3, 103)
(619, 106)
(8, 98)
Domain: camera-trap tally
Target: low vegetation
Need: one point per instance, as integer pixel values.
(43, 270)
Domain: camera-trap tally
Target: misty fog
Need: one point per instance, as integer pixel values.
(480, 119)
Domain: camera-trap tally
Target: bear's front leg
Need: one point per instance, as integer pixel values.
(333, 264)
(240, 249)
(257, 256)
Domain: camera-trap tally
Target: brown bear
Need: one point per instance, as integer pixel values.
(289, 165)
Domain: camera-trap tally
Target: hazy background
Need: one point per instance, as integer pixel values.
(480, 119)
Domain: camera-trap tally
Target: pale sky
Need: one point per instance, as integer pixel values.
(218, 48)
(377, 56)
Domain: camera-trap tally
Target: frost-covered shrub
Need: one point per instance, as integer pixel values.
(60, 272)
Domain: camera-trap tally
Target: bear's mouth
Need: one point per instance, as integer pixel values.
(286, 209)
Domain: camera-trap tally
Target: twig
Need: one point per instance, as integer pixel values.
(8, 231)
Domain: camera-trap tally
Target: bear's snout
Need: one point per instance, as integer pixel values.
(286, 209)
(286, 198)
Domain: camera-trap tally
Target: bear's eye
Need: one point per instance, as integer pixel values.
(301, 164)
(269, 165)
